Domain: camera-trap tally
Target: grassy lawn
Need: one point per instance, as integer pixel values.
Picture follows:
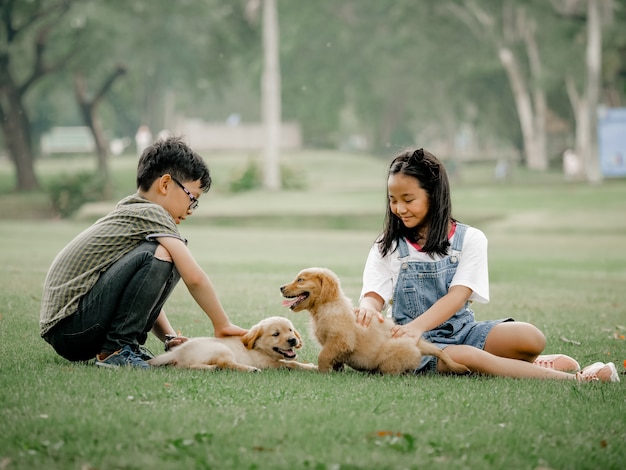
(557, 259)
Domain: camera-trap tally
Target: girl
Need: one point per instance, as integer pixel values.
(430, 268)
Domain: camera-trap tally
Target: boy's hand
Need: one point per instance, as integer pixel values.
(172, 341)
(229, 330)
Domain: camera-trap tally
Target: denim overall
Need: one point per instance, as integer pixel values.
(420, 284)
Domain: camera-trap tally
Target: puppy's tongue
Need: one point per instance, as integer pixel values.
(289, 353)
(290, 302)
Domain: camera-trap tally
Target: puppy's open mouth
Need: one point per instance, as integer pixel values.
(291, 302)
(288, 353)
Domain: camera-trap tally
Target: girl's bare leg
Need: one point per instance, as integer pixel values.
(516, 340)
(483, 362)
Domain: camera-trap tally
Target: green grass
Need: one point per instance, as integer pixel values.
(557, 259)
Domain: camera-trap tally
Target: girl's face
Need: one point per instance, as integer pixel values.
(407, 200)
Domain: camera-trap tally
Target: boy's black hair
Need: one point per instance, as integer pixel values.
(174, 157)
(431, 175)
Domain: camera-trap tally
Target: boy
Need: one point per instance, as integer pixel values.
(105, 290)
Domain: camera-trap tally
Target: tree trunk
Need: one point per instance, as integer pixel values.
(88, 110)
(90, 118)
(594, 64)
(16, 132)
(271, 100)
(540, 160)
(581, 118)
(532, 121)
(524, 107)
(15, 122)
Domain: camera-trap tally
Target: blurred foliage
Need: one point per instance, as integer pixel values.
(389, 72)
(248, 179)
(293, 177)
(251, 177)
(68, 193)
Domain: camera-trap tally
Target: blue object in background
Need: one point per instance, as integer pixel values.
(612, 141)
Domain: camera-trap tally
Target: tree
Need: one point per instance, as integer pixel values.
(271, 99)
(47, 42)
(26, 31)
(594, 72)
(585, 104)
(88, 108)
(516, 25)
(395, 73)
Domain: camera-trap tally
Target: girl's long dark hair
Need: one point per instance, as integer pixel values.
(431, 175)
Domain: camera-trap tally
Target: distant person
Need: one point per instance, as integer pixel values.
(571, 165)
(233, 119)
(502, 170)
(143, 138)
(106, 289)
(164, 134)
(117, 146)
(430, 267)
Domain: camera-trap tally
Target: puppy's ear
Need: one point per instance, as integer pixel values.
(329, 287)
(300, 343)
(251, 336)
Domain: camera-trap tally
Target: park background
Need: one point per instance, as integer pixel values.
(313, 113)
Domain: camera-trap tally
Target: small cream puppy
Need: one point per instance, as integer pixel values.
(270, 344)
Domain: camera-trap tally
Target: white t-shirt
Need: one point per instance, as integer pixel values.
(381, 274)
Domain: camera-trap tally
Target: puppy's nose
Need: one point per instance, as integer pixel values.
(292, 341)
(282, 288)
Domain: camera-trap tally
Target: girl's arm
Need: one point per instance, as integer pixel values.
(441, 311)
(200, 287)
(471, 280)
(370, 306)
(377, 281)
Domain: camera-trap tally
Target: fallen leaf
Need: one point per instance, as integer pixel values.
(566, 340)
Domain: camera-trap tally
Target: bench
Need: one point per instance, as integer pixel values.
(77, 139)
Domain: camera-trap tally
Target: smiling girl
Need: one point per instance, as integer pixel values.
(429, 268)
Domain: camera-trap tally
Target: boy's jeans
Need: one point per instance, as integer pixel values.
(120, 309)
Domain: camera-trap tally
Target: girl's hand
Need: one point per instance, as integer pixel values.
(410, 330)
(229, 330)
(364, 316)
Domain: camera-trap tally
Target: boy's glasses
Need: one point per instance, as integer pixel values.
(194, 201)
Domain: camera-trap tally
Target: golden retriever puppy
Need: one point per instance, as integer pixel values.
(270, 344)
(343, 340)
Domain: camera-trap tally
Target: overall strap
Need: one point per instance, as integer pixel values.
(459, 236)
(403, 248)
(457, 243)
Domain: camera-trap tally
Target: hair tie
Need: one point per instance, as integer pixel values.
(417, 155)
(427, 164)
